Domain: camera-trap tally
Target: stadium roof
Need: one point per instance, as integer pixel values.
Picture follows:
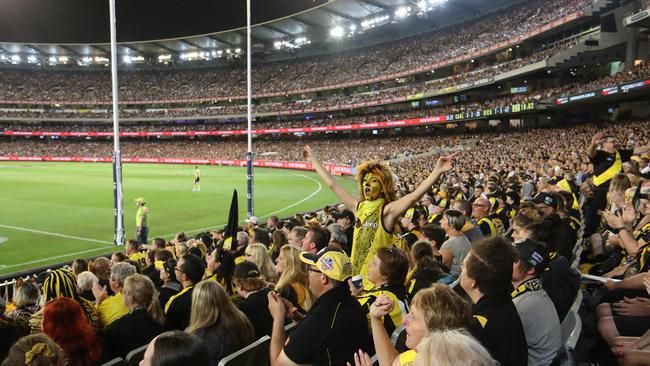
(150, 28)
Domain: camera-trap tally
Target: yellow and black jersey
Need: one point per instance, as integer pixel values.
(487, 226)
(140, 258)
(400, 298)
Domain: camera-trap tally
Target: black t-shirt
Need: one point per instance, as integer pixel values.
(128, 333)
(603, 161)
(256, 308)
(423, 278)
(178, 314)
(498, 327)
(331, 332)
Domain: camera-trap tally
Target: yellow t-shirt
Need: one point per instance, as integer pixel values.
(111, 309)
(141, 216)
(407, 358)
(369, 236)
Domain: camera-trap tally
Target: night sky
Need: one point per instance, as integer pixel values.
(86, 21)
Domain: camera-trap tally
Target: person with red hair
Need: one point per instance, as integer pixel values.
(65, 322)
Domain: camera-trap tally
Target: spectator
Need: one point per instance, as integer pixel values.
(65, 322)
(434, 308)
(176, 348)
(315, 240)
(170, 286)
(455, 249)
(143, 322)
(333, 329)
(259, 254)
(387, 271)
(253, 288)
(536, 311)
(217, 321)
(112, 308)
(293, 284)
(470, 229)
(297, 235)
(486, 278)
(35, 349)
(26, 300)
(62, 283)
(79, 265)
(427, 270)
(85, 282)
(377, 189)
(189, 271)
(10, 332)
(221, 266)
(452, 347)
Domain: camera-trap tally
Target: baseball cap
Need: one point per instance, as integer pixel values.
(345, 214)
(247, 269)
(545, 199)
(332, 263)
(532, 252)
(252, 220)
(140, 200)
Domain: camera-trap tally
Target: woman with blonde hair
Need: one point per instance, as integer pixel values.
(434, 308)
(217, 321)
(143, 322)
(259, 254)
(293, 284)
(452, 347)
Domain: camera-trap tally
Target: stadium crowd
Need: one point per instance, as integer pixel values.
(196, 299)
(292, 76)
(504, 99)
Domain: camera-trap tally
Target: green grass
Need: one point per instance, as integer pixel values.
(40, 200)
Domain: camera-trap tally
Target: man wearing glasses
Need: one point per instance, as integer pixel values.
(480, 211)
(189, 271)
(333, 329)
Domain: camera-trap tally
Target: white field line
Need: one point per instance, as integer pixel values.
(320, 188)
(2, 266)
(3, 239)
(55, 234)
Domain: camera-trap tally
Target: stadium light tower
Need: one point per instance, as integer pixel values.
(117, 158)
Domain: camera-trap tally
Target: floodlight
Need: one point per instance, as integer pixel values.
(52, 59)
(353, 27)
(15, 58)
(422, 5)
(31, 58)
(127, 59)
(63, 58)
(337, 32)
(238, 50)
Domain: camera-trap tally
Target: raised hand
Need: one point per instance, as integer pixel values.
(307, 154)
(597, 139)
(383, 305)
(445, 163)
(361, 359)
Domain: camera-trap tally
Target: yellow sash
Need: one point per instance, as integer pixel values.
(610, 172)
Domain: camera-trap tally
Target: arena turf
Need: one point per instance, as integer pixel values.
(55, 212)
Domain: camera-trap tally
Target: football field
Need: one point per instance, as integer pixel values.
(55, 212)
